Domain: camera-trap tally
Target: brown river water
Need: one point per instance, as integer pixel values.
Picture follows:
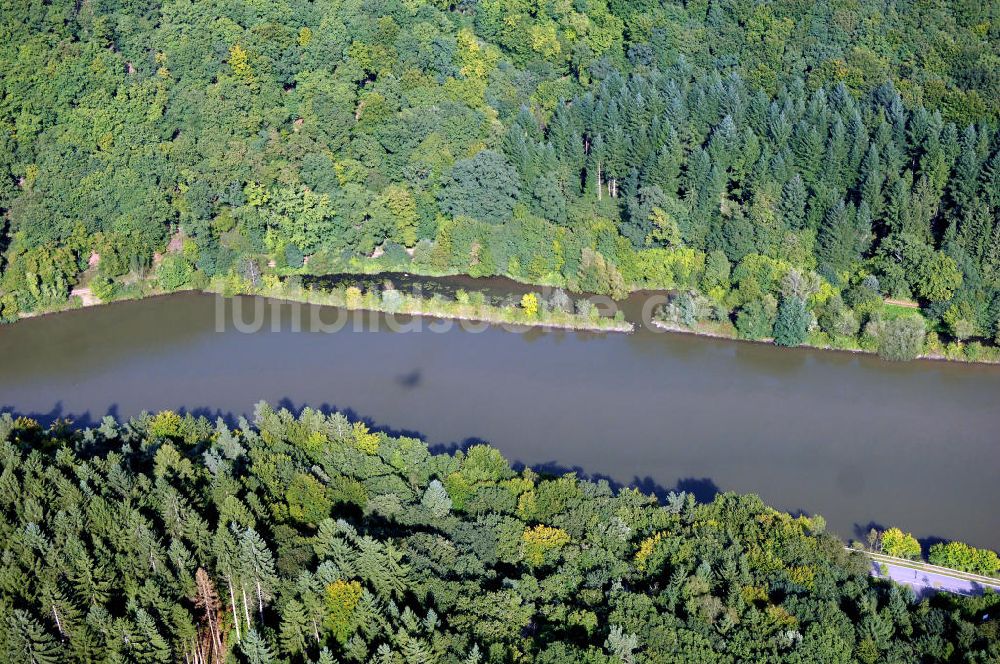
(848, 436)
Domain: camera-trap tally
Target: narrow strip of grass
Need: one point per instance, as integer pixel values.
(397, 302)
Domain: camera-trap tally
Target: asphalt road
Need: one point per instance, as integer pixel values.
(925, 581)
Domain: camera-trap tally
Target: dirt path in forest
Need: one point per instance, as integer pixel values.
(909, 304)
(87, 297)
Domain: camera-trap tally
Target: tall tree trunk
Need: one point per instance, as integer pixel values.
(232, 602)
(55, 614)
(246, 611)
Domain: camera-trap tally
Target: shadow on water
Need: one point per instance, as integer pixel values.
(861, 530)
(410, 380)
(704, 489)
(49, 417)
(927, 542)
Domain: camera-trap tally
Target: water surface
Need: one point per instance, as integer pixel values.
(851, 437)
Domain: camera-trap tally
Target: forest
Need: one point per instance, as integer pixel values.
(313, 538)
(786, 166)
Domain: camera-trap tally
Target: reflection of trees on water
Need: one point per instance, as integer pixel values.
(81, 341)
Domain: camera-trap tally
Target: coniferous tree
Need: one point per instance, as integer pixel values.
(840, 241)
(255, 650)
(258, 563)
(793, 203)
(792, 322)
(872, 178)
(27, 641)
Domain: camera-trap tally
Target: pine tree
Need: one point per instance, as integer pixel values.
(664, 170)
(807, 146)
(596, 166)
(615, 162)
(63, 612)
(991, 261)
(257, 561)
(295, 628)
(520, 154)
(436, 500)
(835, 161)
(547, 196)
(255, 649)
(991, 182)
(793, 203)
(966, 175)
(724, 143)
(150, 647)
(871, 181)
(792, 323)
(839, 242)
(898, 214)
(28, 642)
(622, 645)
(974, 229)
(474, 656)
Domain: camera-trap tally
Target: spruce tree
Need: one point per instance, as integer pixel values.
(255, 649)
(792, 323)
(839, 243)
(793, 203)
(27, 641)
(871, 181)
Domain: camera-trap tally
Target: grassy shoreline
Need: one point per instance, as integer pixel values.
(409, 306)
(472, 308)
(714, 334)
(353, 299)
(472, 311)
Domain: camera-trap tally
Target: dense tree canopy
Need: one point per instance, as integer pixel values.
(170, 538)
(598, 145)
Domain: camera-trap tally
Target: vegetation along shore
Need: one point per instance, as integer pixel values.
(792, 180)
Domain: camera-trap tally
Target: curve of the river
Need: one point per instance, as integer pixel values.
(856, 439)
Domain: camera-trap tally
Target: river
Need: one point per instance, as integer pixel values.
(856, 439)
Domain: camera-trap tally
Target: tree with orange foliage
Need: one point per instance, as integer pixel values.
(211, 642)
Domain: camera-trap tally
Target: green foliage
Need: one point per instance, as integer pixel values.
(901, 338)
(307, 500)
(457, 557)
(483, 187)
(792, 323)
(602, 146)
(754, 321)
(902, 545)
(293, 255)
(174, 272)
(242, 556)
(961, 556)
(937, 277)
(165, 424)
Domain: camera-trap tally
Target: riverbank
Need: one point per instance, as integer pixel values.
(965, 352)
(715, 332)
(533, 312)
(474, 308)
